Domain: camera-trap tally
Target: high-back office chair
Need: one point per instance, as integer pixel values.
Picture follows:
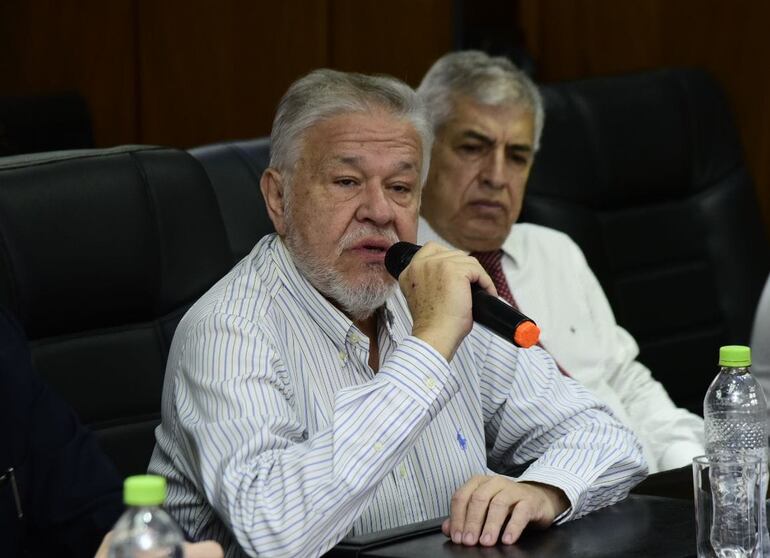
(645, 173)
(101, 252)
(235, 169)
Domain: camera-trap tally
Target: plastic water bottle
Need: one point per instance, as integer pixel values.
(735, 414)
(145, 530)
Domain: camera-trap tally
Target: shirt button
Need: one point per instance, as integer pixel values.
(354, 338)
(343, 356)
(430, 383)
(402, 471)
(378, 447)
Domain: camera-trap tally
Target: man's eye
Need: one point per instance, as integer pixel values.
(471, 148)
(401, 188)
(518, 158)
(347, 182)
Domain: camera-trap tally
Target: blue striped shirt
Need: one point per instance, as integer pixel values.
(278, 439)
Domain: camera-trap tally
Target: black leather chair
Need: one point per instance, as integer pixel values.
(645, 173)
(102, 251)
(234, 169)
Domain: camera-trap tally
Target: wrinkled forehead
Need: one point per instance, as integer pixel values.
(358, 137)
(508, 119)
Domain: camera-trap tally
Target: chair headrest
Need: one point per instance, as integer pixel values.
(235, 169)
(100, 238)
(630, 140)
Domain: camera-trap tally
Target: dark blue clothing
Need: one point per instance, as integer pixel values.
(70, 492)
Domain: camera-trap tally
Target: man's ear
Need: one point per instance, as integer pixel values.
(272, 186)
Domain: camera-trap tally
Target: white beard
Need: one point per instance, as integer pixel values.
(360, 300)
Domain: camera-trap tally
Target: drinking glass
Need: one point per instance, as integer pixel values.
(728, 506)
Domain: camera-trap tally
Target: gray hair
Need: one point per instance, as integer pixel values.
(324, 93)
(488, 80)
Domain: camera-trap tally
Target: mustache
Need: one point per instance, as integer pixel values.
(351, 237)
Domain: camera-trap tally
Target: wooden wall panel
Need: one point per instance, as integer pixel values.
(212, 71)
(398, 37)
(86, 46)
(583, 38)
(190, 72)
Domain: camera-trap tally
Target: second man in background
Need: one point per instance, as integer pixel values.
(487, 117)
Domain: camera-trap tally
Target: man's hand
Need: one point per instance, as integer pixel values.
(481, 506)
(436, 285)
(205, 549)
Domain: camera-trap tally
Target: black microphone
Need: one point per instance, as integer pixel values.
(487, 310)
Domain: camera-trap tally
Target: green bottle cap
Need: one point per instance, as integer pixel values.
(144, 490)
(737, 356)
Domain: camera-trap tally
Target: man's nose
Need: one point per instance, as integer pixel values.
(493, 171)
(375, 205)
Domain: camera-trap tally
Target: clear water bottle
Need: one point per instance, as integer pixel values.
(735, 415)
(145, 530)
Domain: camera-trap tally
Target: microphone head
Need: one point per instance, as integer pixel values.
(398, 257)
(527, 334)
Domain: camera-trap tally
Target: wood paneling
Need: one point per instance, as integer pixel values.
(401, 38)
(190, 72)
(86, 46)
(583, 38)
(212, 71)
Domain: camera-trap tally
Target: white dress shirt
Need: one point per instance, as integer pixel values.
(760, 343)
(552, 284)
(278, 439)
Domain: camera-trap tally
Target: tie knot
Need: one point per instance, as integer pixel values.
(492, 264)
(490, 261)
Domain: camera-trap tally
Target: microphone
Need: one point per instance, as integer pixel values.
(489, 311)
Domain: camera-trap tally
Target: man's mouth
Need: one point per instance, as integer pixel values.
(374, 245)
(372, 250)
(487, 209)
(487, 204)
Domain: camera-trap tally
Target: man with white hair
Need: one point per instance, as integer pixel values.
(307, 398)
(487, 117)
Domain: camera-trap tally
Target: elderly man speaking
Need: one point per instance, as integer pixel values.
(307, 398)
(488, 116)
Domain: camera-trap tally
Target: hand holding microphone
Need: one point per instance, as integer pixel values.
(486, 309)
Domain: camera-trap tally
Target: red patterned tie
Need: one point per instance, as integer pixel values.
(492, 264)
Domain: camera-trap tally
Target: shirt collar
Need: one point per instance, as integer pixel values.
(426, 233)
(513, 247)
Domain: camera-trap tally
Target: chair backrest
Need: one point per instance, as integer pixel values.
(102, 251)
(645, 173)
(235, 169)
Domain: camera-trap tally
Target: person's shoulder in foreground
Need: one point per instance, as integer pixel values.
(59, 493)
(488, 118)
(69, 494)
(306, 398)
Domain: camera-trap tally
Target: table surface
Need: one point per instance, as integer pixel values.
(639, 526)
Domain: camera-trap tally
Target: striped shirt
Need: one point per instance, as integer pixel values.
(278, 439)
